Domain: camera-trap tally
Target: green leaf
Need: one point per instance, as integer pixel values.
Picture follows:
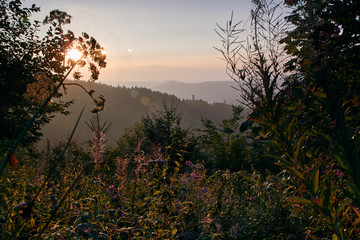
(354, 226)
(300, 200)
(315, 180)
(341, 207)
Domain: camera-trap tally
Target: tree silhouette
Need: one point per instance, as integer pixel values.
(42, 68)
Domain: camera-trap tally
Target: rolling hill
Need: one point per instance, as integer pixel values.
(210, 91)
(124, 107)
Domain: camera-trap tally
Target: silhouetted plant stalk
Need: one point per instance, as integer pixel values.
(99, 103)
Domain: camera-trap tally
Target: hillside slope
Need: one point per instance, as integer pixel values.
(125, 106)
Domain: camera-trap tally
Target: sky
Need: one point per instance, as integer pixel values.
(153, 40)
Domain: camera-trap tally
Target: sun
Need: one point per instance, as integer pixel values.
(74, 54)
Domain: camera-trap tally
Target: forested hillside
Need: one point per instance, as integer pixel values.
(123, 108)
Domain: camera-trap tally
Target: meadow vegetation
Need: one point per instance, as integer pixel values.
(290, 170)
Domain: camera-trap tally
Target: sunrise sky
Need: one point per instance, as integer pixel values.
(156, 40)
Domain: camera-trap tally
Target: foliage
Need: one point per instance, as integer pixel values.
(308, 120)
(163, 132)
(224, 145)
(327, 59)
(144, 202)
(50, 67)
(32, 68)
(18, 42)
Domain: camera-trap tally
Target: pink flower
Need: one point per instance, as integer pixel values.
(194, 175)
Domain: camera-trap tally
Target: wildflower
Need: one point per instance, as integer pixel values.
(188, 163)
(112, 190)
(121, 171)
(204, 189)
(194, 175)
(339, 173)
(299, 206)
(218, 226)
(98, 140)
(98, 147)
(13, 160)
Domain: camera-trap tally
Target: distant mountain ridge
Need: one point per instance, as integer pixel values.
(124, 107)
(210, 91)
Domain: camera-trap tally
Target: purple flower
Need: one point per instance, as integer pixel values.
(194, 175)
(188, 163)
(204, 189)
(113, 191)
(218, 226)
(339, 173)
